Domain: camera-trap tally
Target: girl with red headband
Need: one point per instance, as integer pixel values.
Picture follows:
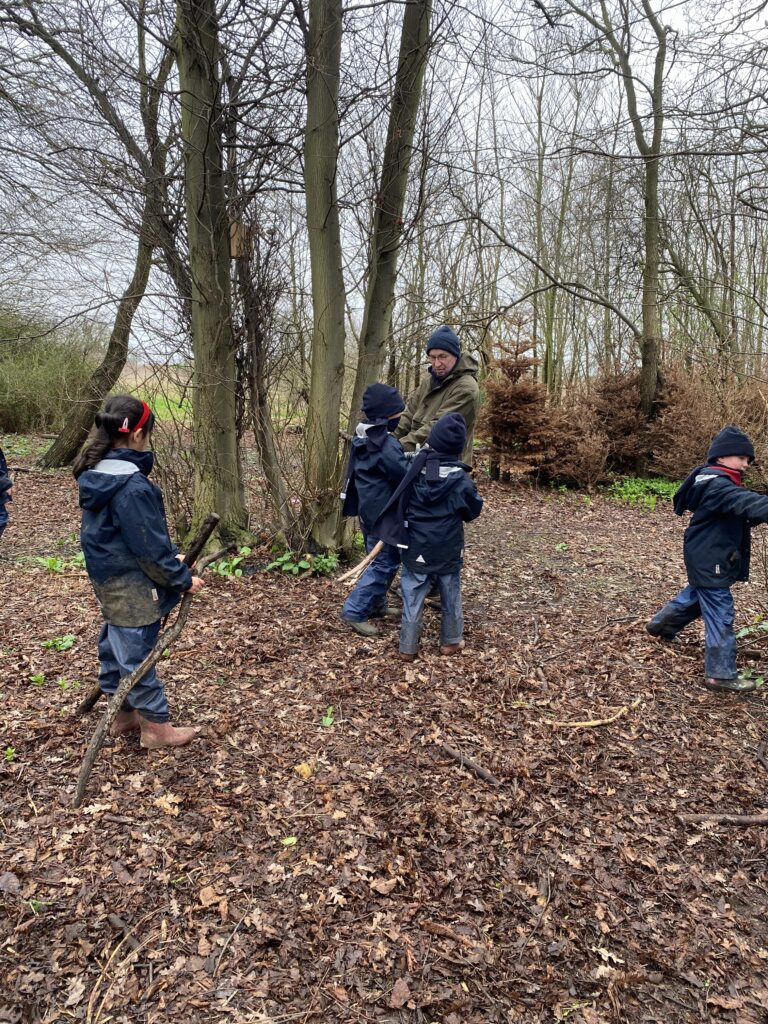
(135, 569)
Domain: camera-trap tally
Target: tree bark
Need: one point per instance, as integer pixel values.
(321, 154)
(390, 199)
(218, 480)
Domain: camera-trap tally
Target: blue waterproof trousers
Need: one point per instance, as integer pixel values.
(368, 599)
(121, 650)
(715, 606)
(415, 586)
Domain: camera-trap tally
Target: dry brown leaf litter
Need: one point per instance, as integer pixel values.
(280, 870)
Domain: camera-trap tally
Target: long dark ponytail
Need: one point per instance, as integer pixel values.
(120, 416)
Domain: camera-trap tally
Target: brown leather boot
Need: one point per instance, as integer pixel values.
(125, 722)
(406, 656)
(451, 648)
(155, 735)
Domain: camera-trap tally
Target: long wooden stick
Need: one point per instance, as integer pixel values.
(727, 819)
(128, 682)
(594, 722)
(89, 702)
(361, 566)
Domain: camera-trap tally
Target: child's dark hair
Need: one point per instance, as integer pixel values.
(120, 416)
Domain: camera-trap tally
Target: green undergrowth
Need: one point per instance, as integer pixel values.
(18, 446)
(642, 492)
(304, 564)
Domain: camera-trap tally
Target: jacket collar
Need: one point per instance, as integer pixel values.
(141, 461)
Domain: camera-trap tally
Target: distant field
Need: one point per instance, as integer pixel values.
(164, 388)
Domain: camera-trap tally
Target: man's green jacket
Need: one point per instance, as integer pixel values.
(456, 392)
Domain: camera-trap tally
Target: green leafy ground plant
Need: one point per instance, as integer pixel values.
(314, 565)
(230, 567)
(60, 643)
(643, 492)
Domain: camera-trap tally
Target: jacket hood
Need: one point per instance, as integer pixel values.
(99, 485)
(370, 435)
(689, 494)
(439, 488)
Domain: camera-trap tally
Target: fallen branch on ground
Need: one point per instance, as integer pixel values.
(593, 722)
(354, 574)
(727, 819)
(165, 639)
(466, 762)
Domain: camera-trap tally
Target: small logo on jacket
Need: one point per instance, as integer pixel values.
(717, 570)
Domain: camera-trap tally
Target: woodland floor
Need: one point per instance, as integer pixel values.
(281, 870)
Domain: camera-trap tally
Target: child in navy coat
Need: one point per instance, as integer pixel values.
(377, 464)
(136, 572)
(425, 518)
(6, 490)
(716, 550)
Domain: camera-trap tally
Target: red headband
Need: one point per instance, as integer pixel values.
(145, 414)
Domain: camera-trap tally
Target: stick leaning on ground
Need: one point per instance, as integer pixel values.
(164, 640)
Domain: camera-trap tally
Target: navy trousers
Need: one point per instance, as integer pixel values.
(715, 606)
(121, 650)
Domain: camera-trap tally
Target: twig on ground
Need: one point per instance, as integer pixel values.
(727, 819)
(466, 762)
(361, 566)
(164, 640)
(594, 722)
(435, 928)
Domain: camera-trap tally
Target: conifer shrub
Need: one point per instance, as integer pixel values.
(616, 403)
(519, 423)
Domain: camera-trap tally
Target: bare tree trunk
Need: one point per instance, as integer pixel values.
(651, 343)
(106, 375)
(218, 482)
(321, 154)
(390, 200)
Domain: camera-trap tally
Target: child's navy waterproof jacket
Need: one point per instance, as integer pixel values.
(717, 544)
(128, 552)
(5, 485)
(436, 513)
(377, 464)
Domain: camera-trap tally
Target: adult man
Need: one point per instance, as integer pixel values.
(450, 386)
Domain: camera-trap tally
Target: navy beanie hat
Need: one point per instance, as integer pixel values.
(446, 339)
(730, 441)
(380, 401)
(449, 434)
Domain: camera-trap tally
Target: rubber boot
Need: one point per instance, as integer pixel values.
(155, 735)
(364, 628)
(737, 685)
(125, 722)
